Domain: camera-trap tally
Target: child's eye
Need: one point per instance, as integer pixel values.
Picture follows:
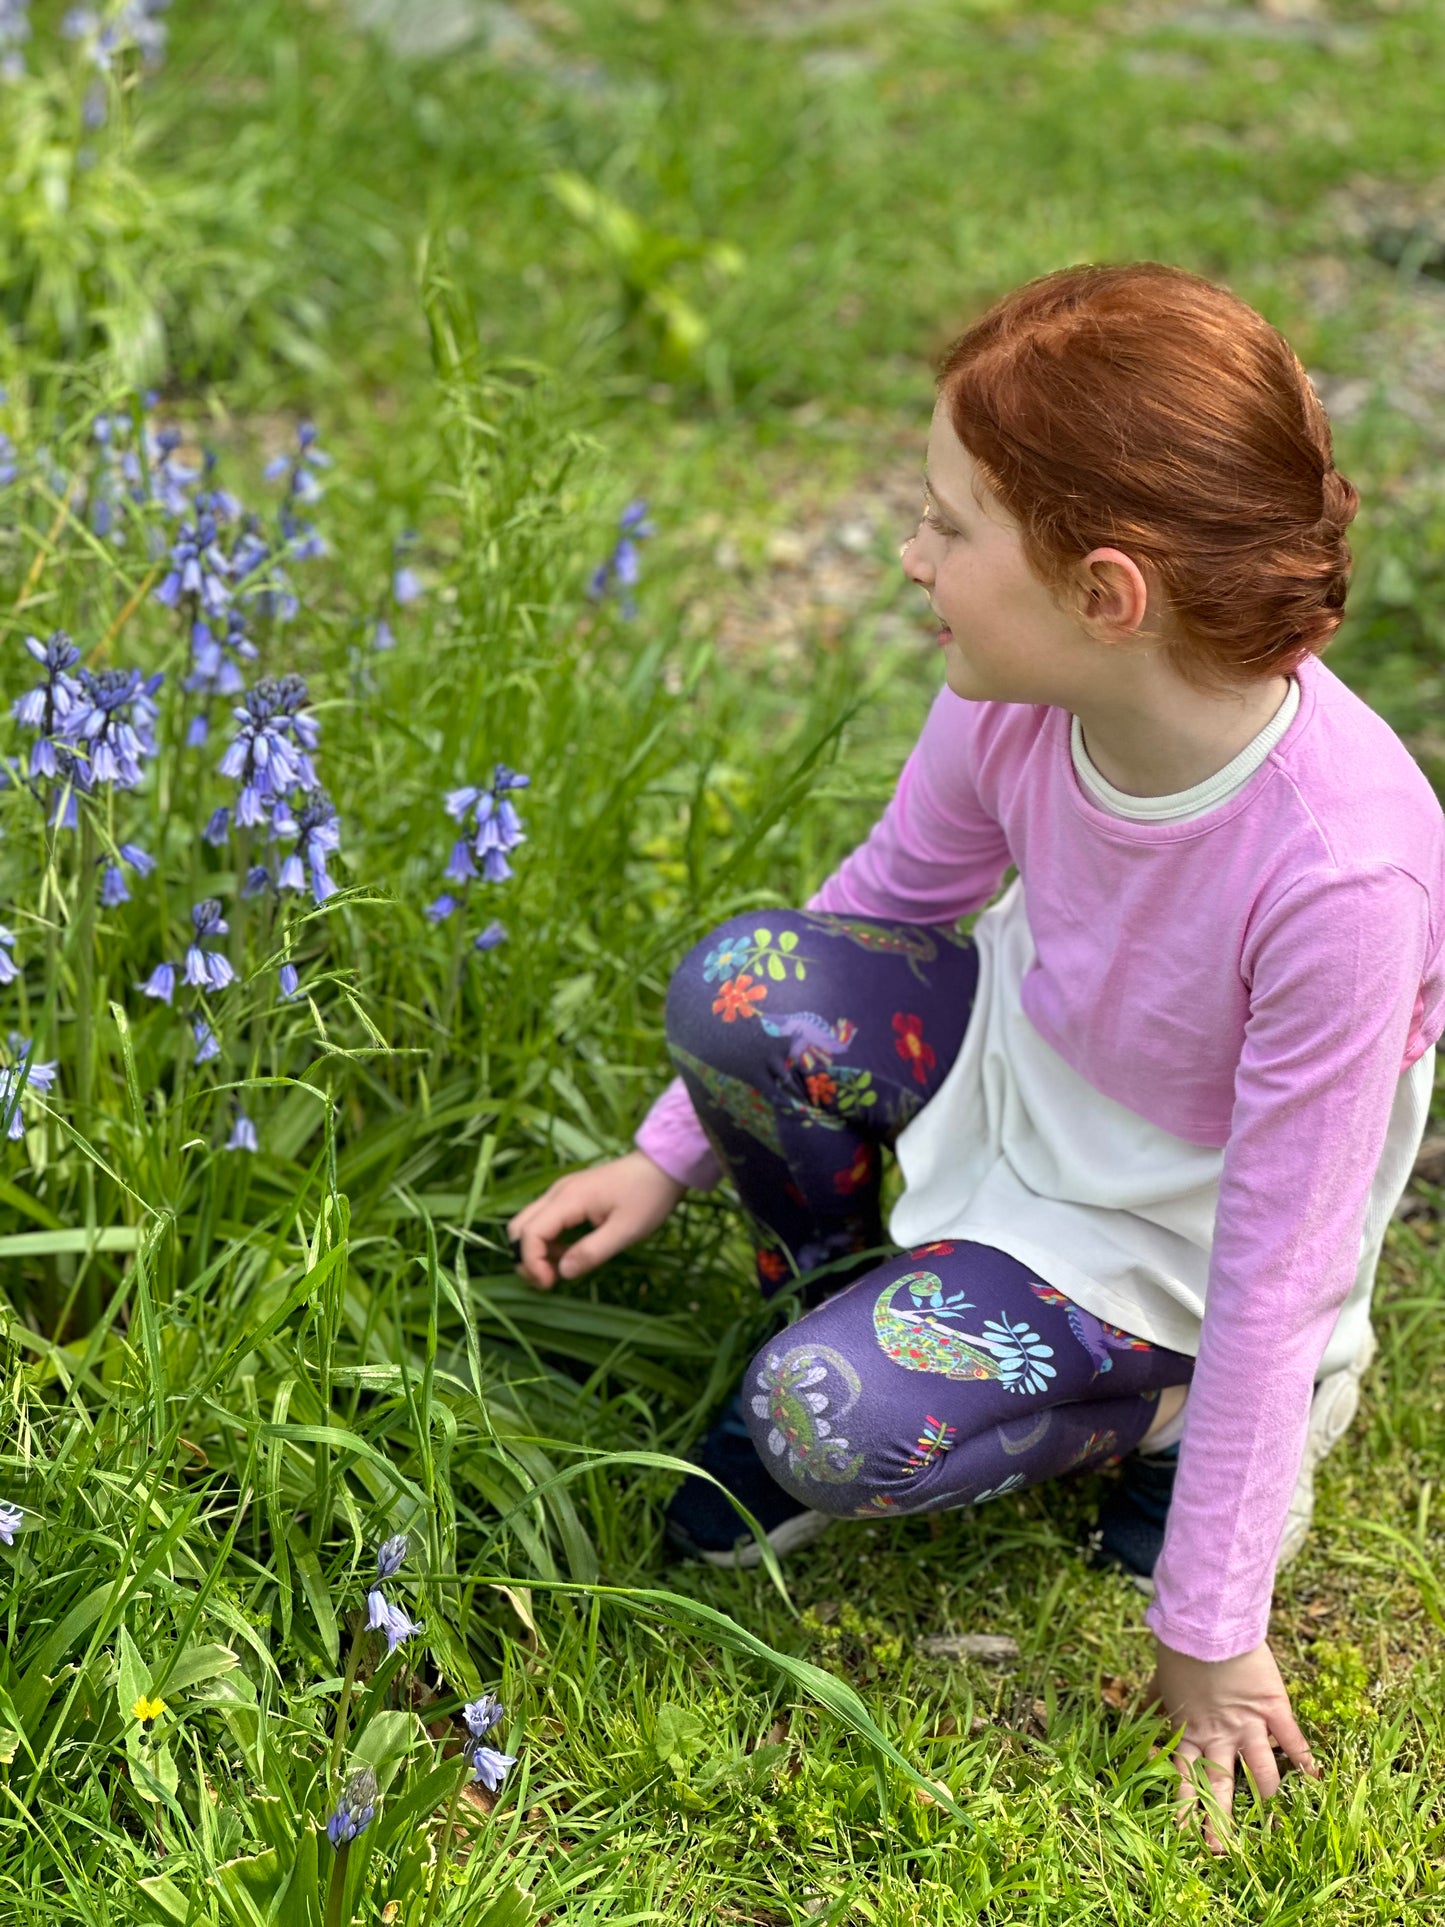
(936, 521)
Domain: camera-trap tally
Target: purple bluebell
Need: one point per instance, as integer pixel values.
(288, 980)
(391, 1556)
(355, 1809)
(622, 568)
(317, 830)
(216, 659)
(482, 1715)
(9, 460)
(460, 867)
(112, 887)
(208, 969)
(383, 636)
(489, 938)
(49, 705)
(9, 969)
(218, 828)
(270, 754)
(169, 475)
(141, 861)
(243, 1134)
(18, 1076)
(494, 830)
(14, 32)
(11, 1520)
(160, 983)
(256, 882)
(199, 568)
(207, 1045)
(444, 906)
(384, 1617)
(405, 585)
(112, 725)
(490, 1767)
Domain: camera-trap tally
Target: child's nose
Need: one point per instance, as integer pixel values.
(915, 564)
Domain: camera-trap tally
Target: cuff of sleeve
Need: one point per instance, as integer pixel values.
(1221, 1642)
(699, 1170)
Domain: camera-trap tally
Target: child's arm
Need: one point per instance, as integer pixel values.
(1334, 970)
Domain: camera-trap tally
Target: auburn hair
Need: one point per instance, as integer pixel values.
(1143, 408)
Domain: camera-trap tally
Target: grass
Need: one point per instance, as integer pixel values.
(228, 1376)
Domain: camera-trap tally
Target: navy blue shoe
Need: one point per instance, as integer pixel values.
(1128, 1533)
(702, 1525)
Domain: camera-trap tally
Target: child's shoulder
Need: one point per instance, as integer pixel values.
(1358, 781)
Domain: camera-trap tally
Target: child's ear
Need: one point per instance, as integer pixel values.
(1115, 592)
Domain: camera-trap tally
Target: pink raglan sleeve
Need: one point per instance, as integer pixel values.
(936, 853)
(1334, 968)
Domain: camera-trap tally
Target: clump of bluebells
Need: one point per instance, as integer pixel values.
(21, 1075)
(622, 569)
(491, 830)
(489, 1766)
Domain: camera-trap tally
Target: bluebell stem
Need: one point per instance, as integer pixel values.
(18, 1076)
(391, 1556)
(207, 1046)
(482, 1715)
(288, 980)
(112, 724)
(9, 969)
(490, 1767)
(489, 938)
(11, 1520)
(199, 568)
(208, 969)
(384, 1617)
(355, 1809)
(160, 983)
(243, 1134)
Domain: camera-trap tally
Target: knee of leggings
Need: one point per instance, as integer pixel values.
(818, 1461)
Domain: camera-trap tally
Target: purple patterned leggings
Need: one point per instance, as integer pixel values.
(937, 1378)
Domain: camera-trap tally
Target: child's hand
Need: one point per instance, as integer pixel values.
(1228, 1709)
(626, 1199)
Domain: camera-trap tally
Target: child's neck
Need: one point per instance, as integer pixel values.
(1170, 737)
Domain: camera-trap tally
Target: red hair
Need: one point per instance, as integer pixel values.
(1143, 408)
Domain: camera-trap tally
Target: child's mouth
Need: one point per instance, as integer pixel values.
(944, 636)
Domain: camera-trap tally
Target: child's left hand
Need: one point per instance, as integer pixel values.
(1228, 1709)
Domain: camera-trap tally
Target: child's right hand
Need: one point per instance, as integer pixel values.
(625, 1199)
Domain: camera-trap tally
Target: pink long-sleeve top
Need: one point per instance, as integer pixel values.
(1254, 979)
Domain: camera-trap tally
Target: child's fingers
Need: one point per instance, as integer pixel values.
(538, 1238)
(1291, 1742)
(606, 1241)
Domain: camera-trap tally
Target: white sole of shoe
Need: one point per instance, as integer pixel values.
(801, 1530)
(1332, 1410)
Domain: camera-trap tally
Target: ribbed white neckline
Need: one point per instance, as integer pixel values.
(1202, 796)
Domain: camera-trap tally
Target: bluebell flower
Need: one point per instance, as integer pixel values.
(9, 460)
(495, 829)
(489, 938)
(406, 585)
(208, 969)
(112, 887)
(11, 1520)
(384, 1617)
(490, 1767)
(256, 882)
(289, 981)
(460, 867)
(216, 659)
(169, 476)
(356, 1808)
(318, 835)
(19, 1076)
(9, 969)
(391, 1556)
(112, 724)
(634, 519)
(207, 1045)
(622, 567)
(218, 828)
(49, 705)
(482, 1715)
(14, 32)
(243, 1134)
(443, 907)
(270, 754)
(141, 861)
(199, 568)
(160, 983)
(383, 636)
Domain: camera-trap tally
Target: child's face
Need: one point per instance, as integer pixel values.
(1006, 638)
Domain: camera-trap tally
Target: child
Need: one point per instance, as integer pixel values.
(1154, 1116)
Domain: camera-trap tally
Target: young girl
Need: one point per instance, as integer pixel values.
(1153, 1116)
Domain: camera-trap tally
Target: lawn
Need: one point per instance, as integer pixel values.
(340, 343)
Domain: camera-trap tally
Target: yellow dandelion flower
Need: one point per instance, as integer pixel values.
(146, 1710)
